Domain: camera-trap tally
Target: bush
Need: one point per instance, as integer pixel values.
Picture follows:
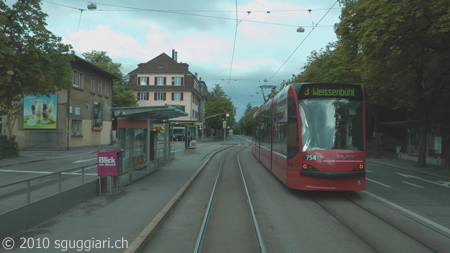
(8, 146)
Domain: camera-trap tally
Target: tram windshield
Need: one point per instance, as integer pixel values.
(332, 123)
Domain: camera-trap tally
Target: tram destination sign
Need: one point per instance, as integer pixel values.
(322, 90)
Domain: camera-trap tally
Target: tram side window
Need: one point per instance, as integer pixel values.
(266, 123)
(280, 134)
(255, 129)
(292, 129)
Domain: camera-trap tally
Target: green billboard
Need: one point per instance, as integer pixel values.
(40, 111)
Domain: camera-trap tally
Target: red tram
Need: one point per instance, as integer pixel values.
(312, 136)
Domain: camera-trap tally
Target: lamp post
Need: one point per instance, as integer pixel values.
(203, 122)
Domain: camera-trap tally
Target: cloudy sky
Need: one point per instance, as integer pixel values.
(234, 43)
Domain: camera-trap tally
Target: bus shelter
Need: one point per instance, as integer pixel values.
(138, 138)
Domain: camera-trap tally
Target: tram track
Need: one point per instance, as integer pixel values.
(229, 215)
(381, 229)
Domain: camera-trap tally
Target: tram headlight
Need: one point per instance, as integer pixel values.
(308, 167)
(359, 167)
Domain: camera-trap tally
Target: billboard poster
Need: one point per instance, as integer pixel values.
(40, 111)
(97, 116)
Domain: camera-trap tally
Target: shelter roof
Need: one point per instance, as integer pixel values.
(157, 113)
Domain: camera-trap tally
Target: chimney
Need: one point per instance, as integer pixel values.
(174, 55)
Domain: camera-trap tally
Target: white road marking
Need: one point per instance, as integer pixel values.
(412, 184)
(440, 183)
(83, 161)
(423, 219)
(373, 181)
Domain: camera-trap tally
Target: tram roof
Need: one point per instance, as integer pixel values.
(149, 112)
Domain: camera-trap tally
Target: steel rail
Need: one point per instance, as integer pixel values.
(201, 233)
(262, 246)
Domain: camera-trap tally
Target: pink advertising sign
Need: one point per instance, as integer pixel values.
(107, 163)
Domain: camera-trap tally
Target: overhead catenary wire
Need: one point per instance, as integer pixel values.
(234, 48)
(306, 37)
(191, 13)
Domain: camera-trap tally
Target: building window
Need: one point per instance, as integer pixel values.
(74, 78)
(99, 86)
(177, 96)
(92, 84)
(77, 79)
(80, 80)
(160, 96)
(143, 96)
(77, 128)
(177, 81)
(160, 81)
(143, 80)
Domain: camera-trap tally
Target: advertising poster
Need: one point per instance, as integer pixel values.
(40, 112)
(97, 116)
(191, 132)
(158, 128)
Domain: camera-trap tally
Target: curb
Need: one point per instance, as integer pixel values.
(139, 244)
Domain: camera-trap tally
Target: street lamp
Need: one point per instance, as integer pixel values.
(92, 6)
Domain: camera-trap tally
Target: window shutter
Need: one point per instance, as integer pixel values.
(156, 96)
(138, 80)
(156, 81)
(173, 96)
(173, 81)
(148, 80)
(181, 96)
(165, 78)
(182, 81)
(147, 96)
(138, 96)
(164, 96)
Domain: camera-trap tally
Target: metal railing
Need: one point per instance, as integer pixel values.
(13, 195)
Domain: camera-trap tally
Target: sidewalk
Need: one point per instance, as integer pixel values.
(133, 215)
(390, 158)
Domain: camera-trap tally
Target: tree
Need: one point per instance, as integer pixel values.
(103, 61)
(32, 60)
(217, 107)
(333, 64)
(246, 121)
(123, 96)
(410, 38)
